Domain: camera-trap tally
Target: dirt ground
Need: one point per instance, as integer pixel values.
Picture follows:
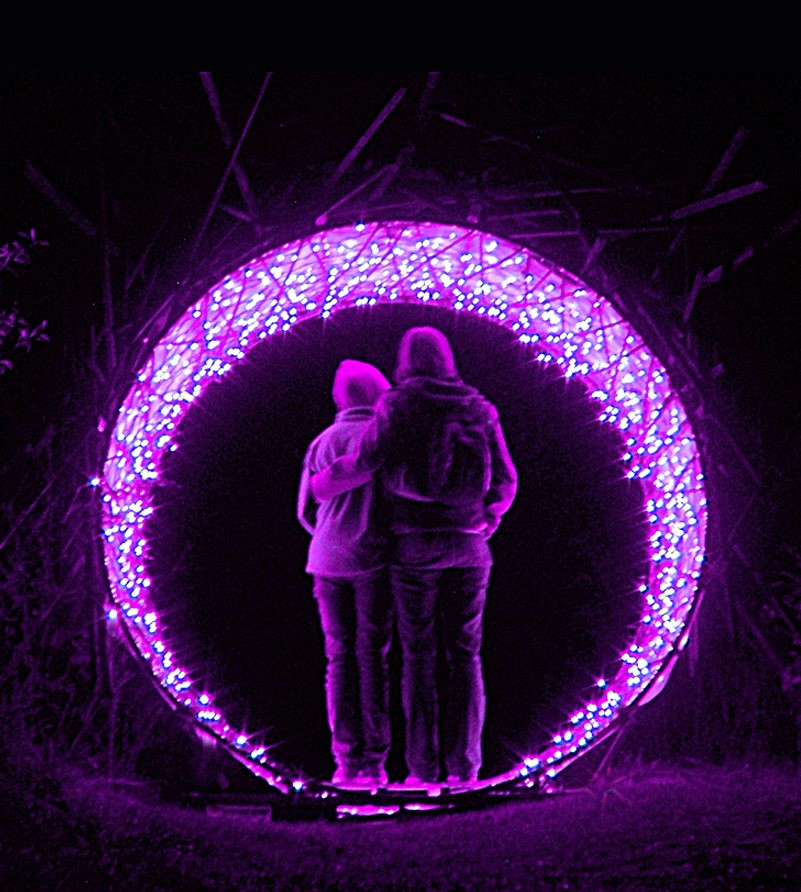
(654, 827)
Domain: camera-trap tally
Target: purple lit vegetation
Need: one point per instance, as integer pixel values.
(561, 321)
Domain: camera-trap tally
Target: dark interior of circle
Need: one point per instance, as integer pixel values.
(227, 554)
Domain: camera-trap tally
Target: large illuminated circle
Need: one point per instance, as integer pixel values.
(561, 321)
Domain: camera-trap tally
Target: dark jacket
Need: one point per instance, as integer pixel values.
(398, 440)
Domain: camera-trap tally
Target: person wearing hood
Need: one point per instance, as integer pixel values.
(347, 559)
(441, 558)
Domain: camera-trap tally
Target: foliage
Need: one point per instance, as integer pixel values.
(15, 331)
(780, 622)
(67, 684)
(18, 251)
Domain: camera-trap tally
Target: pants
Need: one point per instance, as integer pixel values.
(356, 619)
(442, 603)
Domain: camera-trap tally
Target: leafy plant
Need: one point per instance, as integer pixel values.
(16, 333)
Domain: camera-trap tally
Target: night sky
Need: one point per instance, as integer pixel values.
(142, 151)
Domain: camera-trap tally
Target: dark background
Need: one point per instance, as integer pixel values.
(123, 175)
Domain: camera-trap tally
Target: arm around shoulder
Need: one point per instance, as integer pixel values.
(351, 470)
(340, 476)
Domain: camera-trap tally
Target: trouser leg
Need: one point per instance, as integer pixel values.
(461, 608)
(336, 605)
(374, 625)
(415, 595)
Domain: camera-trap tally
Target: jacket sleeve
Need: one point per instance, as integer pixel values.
(307, 505)
(503, 486)
(356, 468)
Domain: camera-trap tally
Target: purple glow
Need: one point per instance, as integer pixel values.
(464, 270)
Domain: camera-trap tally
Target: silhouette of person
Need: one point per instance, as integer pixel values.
(348, 562)
(441, 559)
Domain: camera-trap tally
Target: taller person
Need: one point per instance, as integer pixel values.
(448, 477)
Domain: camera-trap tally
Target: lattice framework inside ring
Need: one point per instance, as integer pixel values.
(557, 316)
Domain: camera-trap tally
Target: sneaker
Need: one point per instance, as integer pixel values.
(374, 777)
(414, 781)
(342, 776)
(370, 777)
(455, 780)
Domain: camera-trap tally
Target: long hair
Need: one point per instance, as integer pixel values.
(425, 351)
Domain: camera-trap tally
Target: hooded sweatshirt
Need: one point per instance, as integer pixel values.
(398, 441)
(348, 537)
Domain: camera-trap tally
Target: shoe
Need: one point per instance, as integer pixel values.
(374, 777)
(342, 776)
(414, 781)
(371, 777)
(455, 780)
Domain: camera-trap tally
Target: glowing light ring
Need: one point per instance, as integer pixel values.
(465, 270)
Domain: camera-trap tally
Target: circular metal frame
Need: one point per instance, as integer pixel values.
(558, 317)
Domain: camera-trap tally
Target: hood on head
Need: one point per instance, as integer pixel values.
(425, 351)
(357, 383)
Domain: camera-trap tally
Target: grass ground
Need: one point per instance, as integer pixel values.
(654, 827)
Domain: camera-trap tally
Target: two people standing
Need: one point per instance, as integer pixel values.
(433, 462)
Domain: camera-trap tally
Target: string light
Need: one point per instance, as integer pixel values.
(554, 314)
